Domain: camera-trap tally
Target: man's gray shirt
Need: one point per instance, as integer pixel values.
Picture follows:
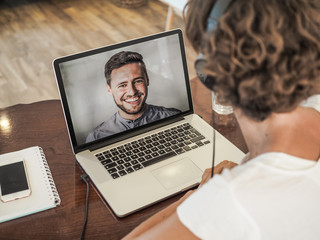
(116, 123)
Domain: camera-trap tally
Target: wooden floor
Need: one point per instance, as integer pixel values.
(34, 32)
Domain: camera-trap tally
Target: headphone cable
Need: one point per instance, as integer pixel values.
(84, 178)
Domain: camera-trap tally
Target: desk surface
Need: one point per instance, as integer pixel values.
(42, 124)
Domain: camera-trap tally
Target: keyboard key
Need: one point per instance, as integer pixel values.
(112, 170)
(115, 153)
(129, 148)
(122, 173)
(121, 150)
(137, 167)
(142, 148)
(129, 153)
(129, 170)
(173, 142)
(115, 175)
(199, 143)
(161, 152)
(158, 159)
(141, 154)
(174, 147)
(133, 162)
(186, 137)
(161, 147)
(196, 139)
(193, 135)
(120, 167)
(156, 144)
(179, 140)
(186, 148)
(105, 162)
(111, 165)
(120, 162)
(155, 154)
(179, 151)
(115, 158)
(168, 149)
(154, 139)
(127, 164)
(142, 159)
(108, 155)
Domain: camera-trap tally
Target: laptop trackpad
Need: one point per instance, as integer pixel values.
(177, 173)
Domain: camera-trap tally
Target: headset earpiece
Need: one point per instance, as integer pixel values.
(217, 11)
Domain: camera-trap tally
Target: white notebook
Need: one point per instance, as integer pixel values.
(44, 194)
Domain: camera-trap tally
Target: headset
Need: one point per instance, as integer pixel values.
(217, 11)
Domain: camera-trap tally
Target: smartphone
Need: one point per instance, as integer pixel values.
(14, 182)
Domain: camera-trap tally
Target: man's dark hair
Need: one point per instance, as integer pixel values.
(123, 58)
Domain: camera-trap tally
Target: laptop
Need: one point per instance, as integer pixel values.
(138, 166)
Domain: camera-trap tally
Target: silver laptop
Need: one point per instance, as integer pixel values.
(129, 113)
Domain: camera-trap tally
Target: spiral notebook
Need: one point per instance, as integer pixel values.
(44, 194)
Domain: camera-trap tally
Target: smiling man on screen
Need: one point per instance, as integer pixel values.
(127, 82)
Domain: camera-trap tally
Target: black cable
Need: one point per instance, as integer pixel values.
(84, 178)
(213, 152)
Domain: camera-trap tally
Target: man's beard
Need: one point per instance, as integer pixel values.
(142, 106)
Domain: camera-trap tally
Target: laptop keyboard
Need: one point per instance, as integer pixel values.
(131, 157)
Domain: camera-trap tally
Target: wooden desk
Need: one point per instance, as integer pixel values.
(43, 124)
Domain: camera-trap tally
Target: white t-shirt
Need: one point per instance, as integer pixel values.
(273, 196)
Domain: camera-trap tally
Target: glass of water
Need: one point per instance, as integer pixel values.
(220, 108)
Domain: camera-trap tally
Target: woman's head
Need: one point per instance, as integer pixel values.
(264, 55)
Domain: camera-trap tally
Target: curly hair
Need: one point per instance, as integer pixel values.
(264, 56)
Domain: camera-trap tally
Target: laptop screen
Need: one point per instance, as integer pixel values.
(115, 90)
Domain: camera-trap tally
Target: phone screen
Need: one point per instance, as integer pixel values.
(13, 178)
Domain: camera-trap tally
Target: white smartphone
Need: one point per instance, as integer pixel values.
(14, 182)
